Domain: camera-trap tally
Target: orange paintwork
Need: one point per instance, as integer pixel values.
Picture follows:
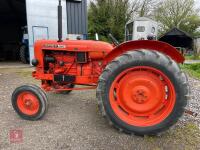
(149, 45)
(99, 54)
(28, 103)
(86, 74)
(138, 96)
(96, 48)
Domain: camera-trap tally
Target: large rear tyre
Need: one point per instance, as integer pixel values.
(142, 92)
(30, 102)
(24, 54)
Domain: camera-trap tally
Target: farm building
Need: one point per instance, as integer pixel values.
(25, 21)
(179, 39)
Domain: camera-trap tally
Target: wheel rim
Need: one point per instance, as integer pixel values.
(142, 96)
(28, 103)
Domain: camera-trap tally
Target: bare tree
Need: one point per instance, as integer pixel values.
(178, 13)
(143, 8)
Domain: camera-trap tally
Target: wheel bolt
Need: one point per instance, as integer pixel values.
(28, 102)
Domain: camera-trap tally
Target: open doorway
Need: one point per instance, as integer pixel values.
(12, 28)
(179, 39)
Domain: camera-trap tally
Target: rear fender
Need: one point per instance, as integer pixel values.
(144, 44)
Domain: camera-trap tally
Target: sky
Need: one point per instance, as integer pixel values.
(197, 3)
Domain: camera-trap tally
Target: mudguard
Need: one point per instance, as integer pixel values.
(145, 44)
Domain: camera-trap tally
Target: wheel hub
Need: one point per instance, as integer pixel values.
(28, 103)
(139, 92)
(139, 97)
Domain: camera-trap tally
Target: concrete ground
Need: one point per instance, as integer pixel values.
(7, 65)
(73, 122)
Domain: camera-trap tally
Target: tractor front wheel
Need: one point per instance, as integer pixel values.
(30, 102)
(142, 92)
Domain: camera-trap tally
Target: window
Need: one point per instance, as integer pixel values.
(129, 31)
(140, 29)
(153, 30)
(40, 33)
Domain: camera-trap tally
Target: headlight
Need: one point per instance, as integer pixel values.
(34, 62)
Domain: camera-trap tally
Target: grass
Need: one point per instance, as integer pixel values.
(192, 69)
(185, 136)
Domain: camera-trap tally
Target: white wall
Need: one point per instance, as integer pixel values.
(42, 21)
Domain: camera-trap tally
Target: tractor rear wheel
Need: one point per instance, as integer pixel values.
(142, 92)
(30, 102)
(24, 54)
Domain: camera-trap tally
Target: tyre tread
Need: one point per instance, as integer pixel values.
(155, 56)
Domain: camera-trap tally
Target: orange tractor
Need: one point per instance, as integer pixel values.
(140, 86)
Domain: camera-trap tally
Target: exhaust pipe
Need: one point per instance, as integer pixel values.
(60, 22)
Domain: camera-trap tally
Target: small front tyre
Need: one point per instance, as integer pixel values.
(30, 102)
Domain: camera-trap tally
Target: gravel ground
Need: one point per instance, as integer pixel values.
(73, 122)
(194, 102)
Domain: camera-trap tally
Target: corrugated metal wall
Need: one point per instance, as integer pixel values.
(77, 17)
